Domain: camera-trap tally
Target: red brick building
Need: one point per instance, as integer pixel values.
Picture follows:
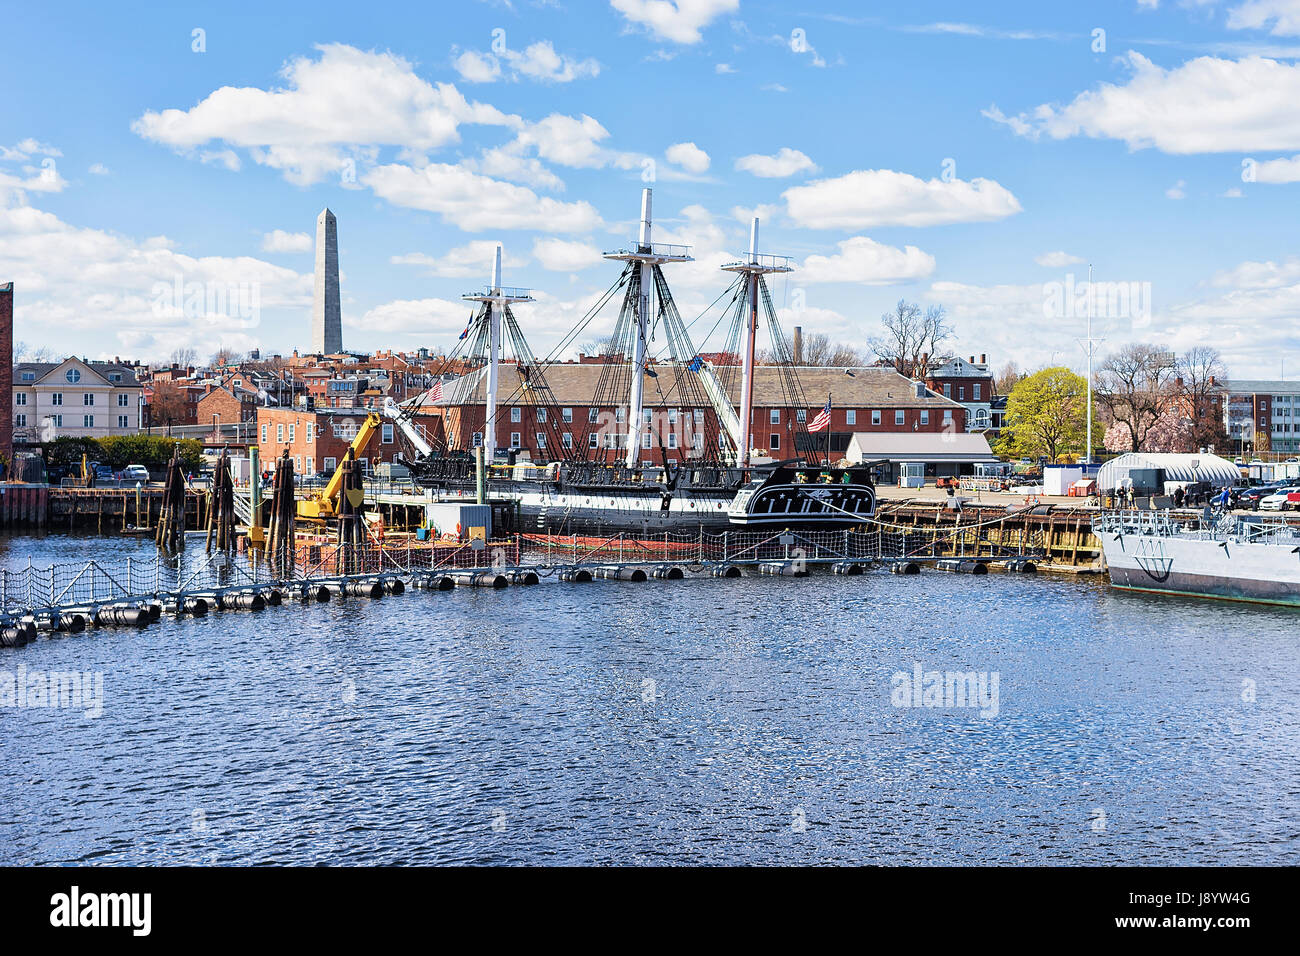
(7, 373)
(225, 406)
(318, 439)
(862, 400)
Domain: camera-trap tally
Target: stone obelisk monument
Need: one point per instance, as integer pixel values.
(326, 316)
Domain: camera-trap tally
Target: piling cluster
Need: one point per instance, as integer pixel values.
(281, 539)
(221, 511)
(170, 533)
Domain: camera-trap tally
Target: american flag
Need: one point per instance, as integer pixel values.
(434, 394)
(823, 420)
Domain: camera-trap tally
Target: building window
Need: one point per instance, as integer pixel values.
(722, 441)
(672, 416)
(567, 439)
(947, 389)
(20, 420)
(263, 434)
(541, 440)
(774, 416)
(309, 432)
(611, 440)
(645, 440)
(591, 417)
(20, 398)
(875, 416)
(515, 415)
(672, 439)
(73, 375)
(774, 441)
(975, 392)
(899, 416)
(567, 414)
(56, 398)
(330, 464)
(88, 398)
(947, 415)
(514, 439)
(293, 432)
(697, 440)
(88, 421)
(58, 421)
(541, 415)
(925, 416)
(593, 440)
(29, 376)
(386, 434)
(123, 400)
(123, 421)
(620, 414)
(699, 416)
(478, 439)
(646, 415)
(851, 416)
(961, 393)
(279, 434)
(311, 466)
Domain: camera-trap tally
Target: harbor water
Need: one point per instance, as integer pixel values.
(761, 720)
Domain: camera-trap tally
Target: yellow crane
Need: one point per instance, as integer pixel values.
(325, 503)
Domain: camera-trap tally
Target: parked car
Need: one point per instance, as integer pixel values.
(135, 473)
(103, 473)
(1279, 500)
(1251, 497)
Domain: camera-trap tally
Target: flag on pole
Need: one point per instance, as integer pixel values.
(434, 394)
(823, 419)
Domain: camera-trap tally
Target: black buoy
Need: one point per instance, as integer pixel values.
(242, 600)
(394, 586)
(904, 567)
(575, 575)
(122, 617)
(726, 571)
(524, 577)
(371, 589)
(72, 622)
(846, 567)
(196, 606)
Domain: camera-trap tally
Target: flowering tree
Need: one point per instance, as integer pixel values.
(1170, 432)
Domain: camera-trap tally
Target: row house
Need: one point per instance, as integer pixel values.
(1262, 415)
(317, 439)
(967, 382)
(75, 398)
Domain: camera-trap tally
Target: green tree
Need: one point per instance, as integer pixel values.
(1045, 416)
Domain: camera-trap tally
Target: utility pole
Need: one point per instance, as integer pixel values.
(1087, 453)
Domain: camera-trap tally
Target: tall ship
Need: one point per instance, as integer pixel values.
(1230, 557)
(641, 455)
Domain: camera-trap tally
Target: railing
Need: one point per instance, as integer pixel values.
(656, 250)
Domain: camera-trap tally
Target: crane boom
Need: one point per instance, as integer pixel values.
(325, 503)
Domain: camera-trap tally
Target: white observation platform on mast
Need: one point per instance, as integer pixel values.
(647, 255)
(496, 297)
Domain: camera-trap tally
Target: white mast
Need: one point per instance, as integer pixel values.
(1087, 454)
(754, 266)
(496, 297)
(646, 255)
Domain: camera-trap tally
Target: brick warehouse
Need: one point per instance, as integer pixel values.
(7, 374)
(869, 399)
(318, 439)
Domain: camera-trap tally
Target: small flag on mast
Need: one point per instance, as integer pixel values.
(823, 419)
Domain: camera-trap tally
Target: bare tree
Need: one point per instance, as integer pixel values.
(225, 356)
(1202, 373)
(185, 356)
(168, 404)
(34, 353)
(1007, 379)
(819, 352)
(909, 334)
(1134, 386)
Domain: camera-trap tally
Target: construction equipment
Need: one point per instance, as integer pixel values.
(324, 505)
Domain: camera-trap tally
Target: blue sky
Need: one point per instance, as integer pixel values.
(932, 151)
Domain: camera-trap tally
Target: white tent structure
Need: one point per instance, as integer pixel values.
(1215, 471)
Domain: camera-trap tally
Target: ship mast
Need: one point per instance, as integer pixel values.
(753, 267)
(495, 299)
(648, 257)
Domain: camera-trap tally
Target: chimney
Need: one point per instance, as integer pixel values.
(798, 345)
(983, 359)
(925, 364)
(1212, 382)
(972, 360)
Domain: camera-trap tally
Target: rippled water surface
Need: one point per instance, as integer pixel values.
(704, 721)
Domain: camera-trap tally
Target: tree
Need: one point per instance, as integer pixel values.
(909, 334)
(1202, 372)
(168, 404)
(225, 356)
(1045, 416)
(34, 353)
(1134, 385)
(819, 352)
(184, 357)
(1007, 378)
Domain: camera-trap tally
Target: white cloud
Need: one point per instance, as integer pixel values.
(473, 202)
(538, 61)
(1057, 260)
(559, 255)
(340, 107)
(1233, 193)
(1259, 275)
(866, 261)
(883, 197)
(723, 68)
(423, 317)
(746, 214)
(1282, 16)
(1285, 170)
(95, 288)
(688, 156)
(280, 241)
(677, 20)
(1177, 190)
(98, 169)
(785, 162)
(1206, 105)
(474, 259)
(26, 150)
